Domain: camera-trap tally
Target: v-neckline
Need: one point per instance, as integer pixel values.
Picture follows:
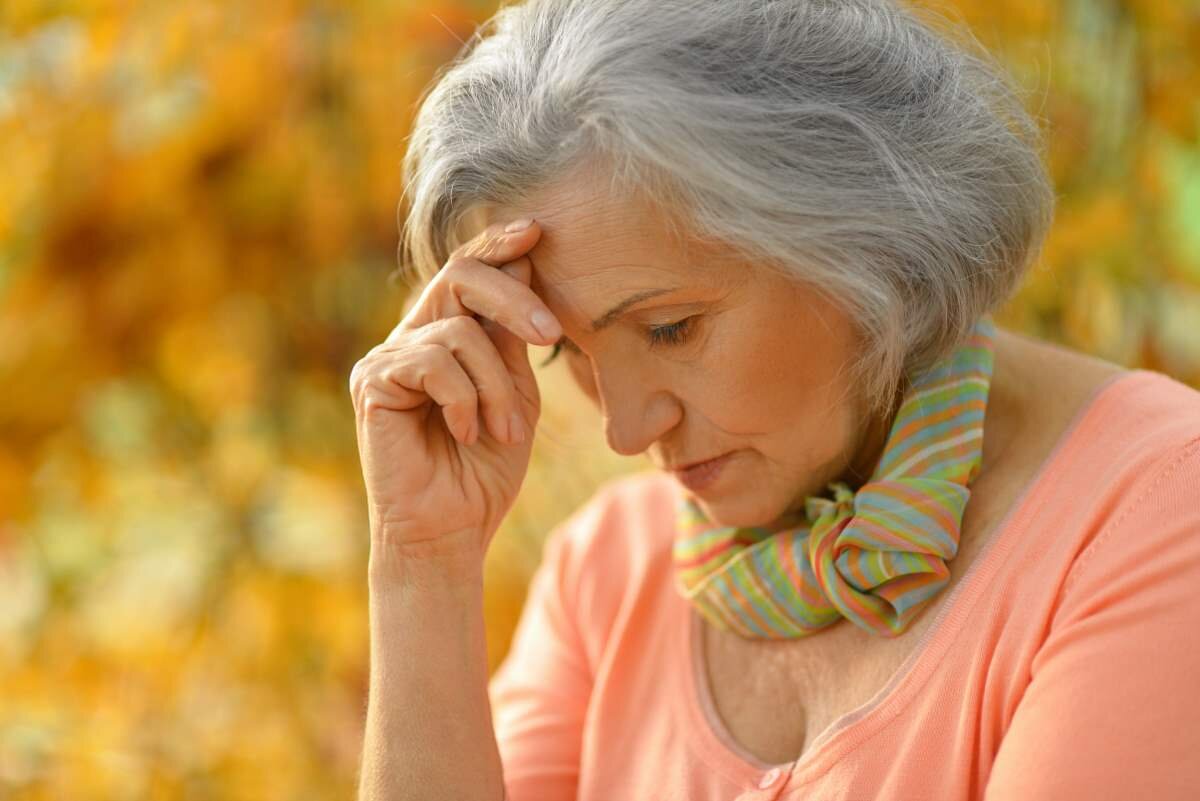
(697, 695)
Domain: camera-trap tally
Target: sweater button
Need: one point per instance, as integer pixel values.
(768, 778)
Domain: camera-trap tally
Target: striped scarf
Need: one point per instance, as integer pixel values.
(876, 556)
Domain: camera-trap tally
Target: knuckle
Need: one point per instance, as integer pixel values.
(372, 406)
(454, 329)
(491, 247)
(357, 373)
(496, 386)
(455, 269)
(437, 357)
(486, 389)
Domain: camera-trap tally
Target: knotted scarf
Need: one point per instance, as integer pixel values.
(877, 555)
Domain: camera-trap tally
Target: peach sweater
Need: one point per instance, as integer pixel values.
(1064, 665)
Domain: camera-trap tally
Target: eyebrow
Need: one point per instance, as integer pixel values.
(610, 316)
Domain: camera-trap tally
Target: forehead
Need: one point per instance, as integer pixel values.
(596, 245)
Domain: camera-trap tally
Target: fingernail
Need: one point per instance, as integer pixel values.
(519, 225)
(545, 324)
(516, 427)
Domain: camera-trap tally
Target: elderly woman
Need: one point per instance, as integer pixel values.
(893, 551)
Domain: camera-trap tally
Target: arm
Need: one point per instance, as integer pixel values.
(540, 692)
(440, 456)
(1113, 704)
(429, 726)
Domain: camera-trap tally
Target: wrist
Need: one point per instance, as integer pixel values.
(396, 558)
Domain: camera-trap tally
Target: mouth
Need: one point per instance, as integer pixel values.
(699, 475)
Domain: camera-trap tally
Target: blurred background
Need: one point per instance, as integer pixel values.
(198, 227)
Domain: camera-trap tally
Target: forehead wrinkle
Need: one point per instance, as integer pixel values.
(598, 284)
(582, 231)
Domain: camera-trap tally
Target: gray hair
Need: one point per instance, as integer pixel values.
(847, 143)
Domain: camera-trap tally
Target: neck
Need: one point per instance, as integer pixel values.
(868, 451)
(871, 443)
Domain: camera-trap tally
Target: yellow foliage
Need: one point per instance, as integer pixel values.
(197, 224)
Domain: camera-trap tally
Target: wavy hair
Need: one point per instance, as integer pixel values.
(873, 151)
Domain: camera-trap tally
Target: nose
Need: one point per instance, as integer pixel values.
(638, 407)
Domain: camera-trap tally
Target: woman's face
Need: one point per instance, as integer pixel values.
(717, 356)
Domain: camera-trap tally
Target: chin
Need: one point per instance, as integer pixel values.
(742, 512)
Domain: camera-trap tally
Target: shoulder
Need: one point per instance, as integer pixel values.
(624, 514)
(1143, 416)
(1131, 469)
(1048, 395)
(1138, 427)
(616, 540)
(1091, 458)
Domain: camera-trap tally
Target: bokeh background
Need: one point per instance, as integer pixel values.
(198, 227)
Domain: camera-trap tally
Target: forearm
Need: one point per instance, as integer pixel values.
(429, 728)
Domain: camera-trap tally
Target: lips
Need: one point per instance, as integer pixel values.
(700, 475)
(690, 465)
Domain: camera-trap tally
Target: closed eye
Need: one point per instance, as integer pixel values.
(672, 334)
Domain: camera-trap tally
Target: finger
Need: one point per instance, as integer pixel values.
(513, 350)
(479, 357)
(496, 246)
(469, 283)
(495, 294)
(401, 380)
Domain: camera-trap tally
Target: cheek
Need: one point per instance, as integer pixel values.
(789, 388)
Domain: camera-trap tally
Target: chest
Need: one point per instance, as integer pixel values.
(774, 697)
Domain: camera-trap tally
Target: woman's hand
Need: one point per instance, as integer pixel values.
(436, 480)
